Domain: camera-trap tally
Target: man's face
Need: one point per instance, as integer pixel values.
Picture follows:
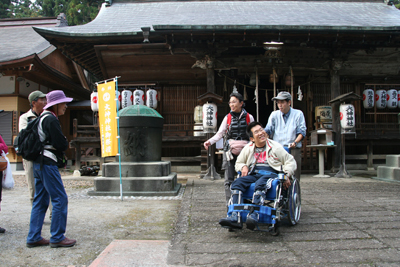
(259, 136)
(283, 105)
(39, 104)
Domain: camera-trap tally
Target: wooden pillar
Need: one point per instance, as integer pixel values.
(335, 92)
(210, 80)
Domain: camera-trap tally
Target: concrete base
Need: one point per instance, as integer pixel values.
(173, 192)
(137, 169)
(385, 172)
(137, 186)
(393, 161)
(321, 176)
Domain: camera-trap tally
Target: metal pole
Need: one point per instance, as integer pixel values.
(119, 139)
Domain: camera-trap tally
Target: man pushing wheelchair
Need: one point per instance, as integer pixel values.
(260, 162)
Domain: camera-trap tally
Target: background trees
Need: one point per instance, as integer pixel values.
(77, 11)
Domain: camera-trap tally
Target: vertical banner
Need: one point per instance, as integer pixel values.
(107, 119)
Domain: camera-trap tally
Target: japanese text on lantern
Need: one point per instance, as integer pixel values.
(210, 114)
(350, 116)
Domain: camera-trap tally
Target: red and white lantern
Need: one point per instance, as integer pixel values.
(368, 98)
(209, 118)
(151, 98)
(126, 98)
(94, 101)
(380, 99)
(138, 97)
(398, 99)
(392, 98)
(347, 116)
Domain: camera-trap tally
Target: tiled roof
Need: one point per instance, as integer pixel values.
(17, 43)
(128, 18)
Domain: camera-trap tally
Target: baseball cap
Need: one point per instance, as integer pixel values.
(282, 96)
(35, 94)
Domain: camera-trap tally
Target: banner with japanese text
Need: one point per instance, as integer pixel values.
(107, 119)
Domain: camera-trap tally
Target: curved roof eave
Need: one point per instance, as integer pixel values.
(125, 18)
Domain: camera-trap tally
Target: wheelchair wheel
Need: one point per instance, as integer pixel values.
(294, 203)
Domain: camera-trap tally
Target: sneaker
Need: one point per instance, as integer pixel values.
(252, 221)
(231, 221)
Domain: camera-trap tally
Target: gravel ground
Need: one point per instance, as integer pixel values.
(93, 221)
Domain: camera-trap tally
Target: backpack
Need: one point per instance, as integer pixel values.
(27, 144)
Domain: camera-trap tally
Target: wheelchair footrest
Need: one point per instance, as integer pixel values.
(266, 214)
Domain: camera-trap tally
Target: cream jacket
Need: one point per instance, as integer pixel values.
(25, 118)
(277, 157)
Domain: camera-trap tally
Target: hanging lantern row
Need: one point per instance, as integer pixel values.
(382, 98)
(128, 98)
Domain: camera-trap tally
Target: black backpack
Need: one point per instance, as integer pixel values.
(27, 144)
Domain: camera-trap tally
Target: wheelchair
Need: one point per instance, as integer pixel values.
(279, 204)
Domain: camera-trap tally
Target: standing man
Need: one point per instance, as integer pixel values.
(287, 126)
(37, 101)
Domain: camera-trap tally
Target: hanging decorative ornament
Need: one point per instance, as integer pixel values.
(299, 94)
(392, 98)
(126, 98)
(94, 101)
(244, 93)
(380, 99)
(266, 97)
(209, 118)
(234, 90)
(151, 98)
(138, 97)
(347, 117)
(368, 98)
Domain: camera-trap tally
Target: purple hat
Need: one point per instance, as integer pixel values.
(56, 97)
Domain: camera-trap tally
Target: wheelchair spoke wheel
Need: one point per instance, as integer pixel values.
(294, 203)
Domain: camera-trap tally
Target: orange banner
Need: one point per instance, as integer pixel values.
(107, 119)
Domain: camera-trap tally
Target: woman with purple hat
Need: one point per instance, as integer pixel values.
(48, 179)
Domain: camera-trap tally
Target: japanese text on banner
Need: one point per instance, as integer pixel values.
(107, 119)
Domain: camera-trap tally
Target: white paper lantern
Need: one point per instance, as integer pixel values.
(324, 113)
(398, 99)
(118, 95)
(209, 118)
(138, 97)
(151, 98)
(380, 99)
(391, 98)
(94, 101)
(368, 98)
(198, 114)
(126, 98)
(347, 116)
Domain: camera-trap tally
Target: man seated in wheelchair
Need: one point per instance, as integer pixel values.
(259, 161)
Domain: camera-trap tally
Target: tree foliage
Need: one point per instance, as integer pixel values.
(78, 11)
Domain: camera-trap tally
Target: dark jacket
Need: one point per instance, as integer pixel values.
(54, 136)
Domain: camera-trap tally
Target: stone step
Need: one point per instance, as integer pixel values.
(137, 169)
(393, 161)
(385, 172)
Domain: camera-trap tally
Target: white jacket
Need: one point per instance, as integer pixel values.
(25, 118)
(277, 157)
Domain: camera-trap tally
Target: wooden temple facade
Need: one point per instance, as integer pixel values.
(187, 48)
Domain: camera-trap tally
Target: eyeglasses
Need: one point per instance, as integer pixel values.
(256, 132)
